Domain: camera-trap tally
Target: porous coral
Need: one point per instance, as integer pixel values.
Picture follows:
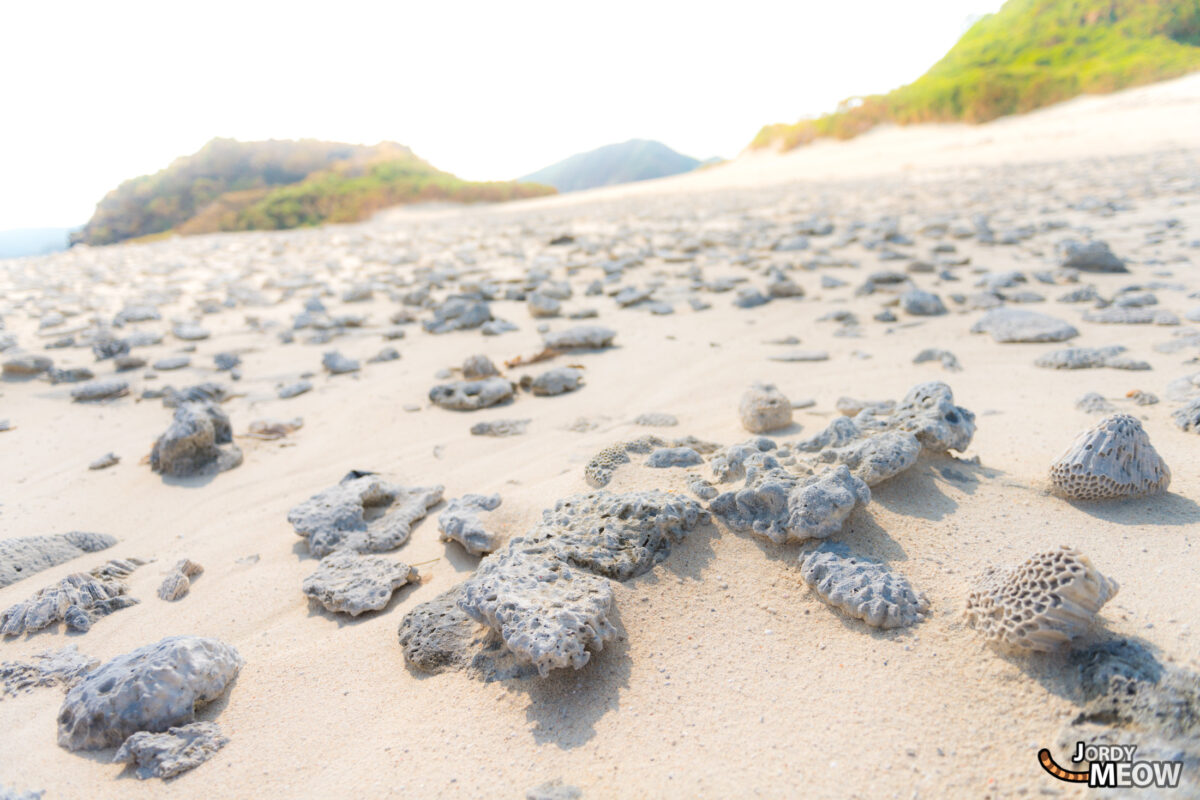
(348, 583)
(165, 755)
(1041, 604)
(461, 522)
(153, 688)
(337, 517)
(862, 588)
(1114, 458)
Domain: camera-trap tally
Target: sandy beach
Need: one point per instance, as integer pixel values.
(728, 676)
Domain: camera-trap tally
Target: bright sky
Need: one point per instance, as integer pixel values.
(96, 92)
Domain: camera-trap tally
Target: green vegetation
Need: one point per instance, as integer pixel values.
(230, 185)
(635, 160)
(1029, 54)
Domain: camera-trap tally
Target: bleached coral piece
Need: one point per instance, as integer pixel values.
(862, 588)
(549, 613)
(335, 518)
(165, 755)
(600, 469)
(818, 507)
(198, 441)
(62, 667)
(435, 636)
(878, 457)
(153, 688)
(178, 581)
(546, 596)
(779, 506)
(729, 463)
(77, 600)
(764, 408)
(592, 337)
(28, 555)
(348, 583)
(1112, 459)
(1040, 604)
(471, 395)
(461, 522)
(929, 413)
(619, 536)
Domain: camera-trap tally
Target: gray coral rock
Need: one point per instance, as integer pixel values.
(500, 427)
(471, 395)
(436, 635)
(781, 507)
(165, 755)
(1113, 458)
(674, 457)
(478, 366)
(580, 337)
(1020, 325)
(921, 303)
(105, 461)
(947, 359)
(729, 463)
(547, 595)
(348, 583)
(16, 794)
(879, 457)
(458, 313)
(294, 389)
(1186, 418)
(656, 420)
(28, 555)
(1094, 403)
(817, 507)
(763, 408)
(198, 441)
(62, 667)
(77, 600)
(1118, 315)
(1078, 357)
(338, 364)
(336, 517)
(461, 522)
(929, 413)
(559, 380)
(1089, 257)
(153, 688)
(861, 588)
(26, 366)
(549, 613)
(599, 471)
(554, 790)
(100, 390)
(1041, 604)
(178, 581)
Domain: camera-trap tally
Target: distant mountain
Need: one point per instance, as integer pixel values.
(635, 160)
(1029, 54)
(32, 241)
(230, 185)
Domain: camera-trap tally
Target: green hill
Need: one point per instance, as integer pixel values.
(635, 160)
(1029, 54)
(230, 185)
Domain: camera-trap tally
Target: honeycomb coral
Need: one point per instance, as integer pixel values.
(1112, 459)
(1040, 604)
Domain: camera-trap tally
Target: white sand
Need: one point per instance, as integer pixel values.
(730, 679)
